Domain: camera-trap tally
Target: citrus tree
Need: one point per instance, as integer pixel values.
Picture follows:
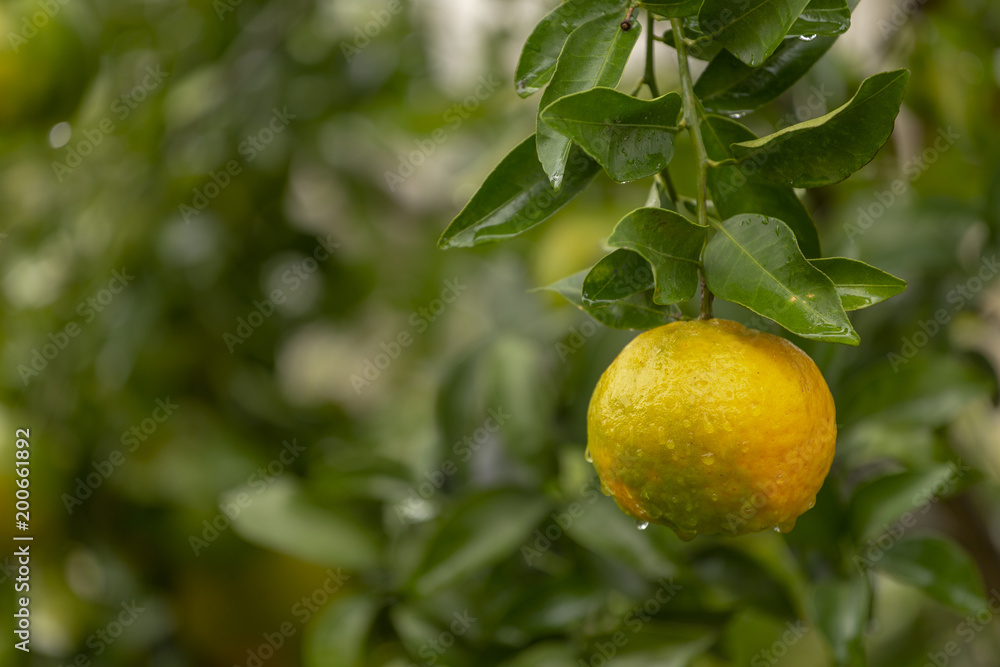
(745, 237)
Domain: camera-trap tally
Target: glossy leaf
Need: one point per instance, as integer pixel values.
(482, 531)
(540, 52)
(637, 311)
(751, 29)
(283, 520)
(739, 189)
(337, 635)
(515, 197)
(670, 243)
(672, 9)
(754, 261)
(729, 86)
(629, 137)
(822, 17)
(830, 148)
(594, 55)
(841, 608)
(877, 504)
(939, 567)
(859, 285)
(702, 46)
(618, 275)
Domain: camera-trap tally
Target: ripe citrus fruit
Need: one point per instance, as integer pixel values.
(707, 426)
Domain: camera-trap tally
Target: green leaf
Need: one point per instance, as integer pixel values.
(701, 47)
(618, 275)
(672, 9)
(841, 608)
(728, 86)
(594, 55)
(483, 530)
(754, 261)
(609, 532)
(939, 567)
(538, 58)
(515, 197)
(877, 504)
(670, 243)
(830, 148)
(750, 29)
(659, 197)
(629, 137)
(738, 190)
(822, 17)
(859, 285)
(281, 519)
(337, 635)
(637, 311)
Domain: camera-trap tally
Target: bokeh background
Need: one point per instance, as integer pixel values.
(272, 424)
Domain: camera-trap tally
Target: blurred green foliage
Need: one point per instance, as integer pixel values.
(398, 432)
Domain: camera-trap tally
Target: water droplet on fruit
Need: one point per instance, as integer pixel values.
(807, 38)
(685, 535)
(708, 458)
(812, 503)
(715, 496)
(641, 525)
(686, 423)
(777, 530)
(586, 455)
(604, 489)
(670, 444)
(786, 526)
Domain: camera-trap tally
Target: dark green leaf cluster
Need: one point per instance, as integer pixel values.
(748, 238)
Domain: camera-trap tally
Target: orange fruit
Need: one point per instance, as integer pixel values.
(709, 427)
